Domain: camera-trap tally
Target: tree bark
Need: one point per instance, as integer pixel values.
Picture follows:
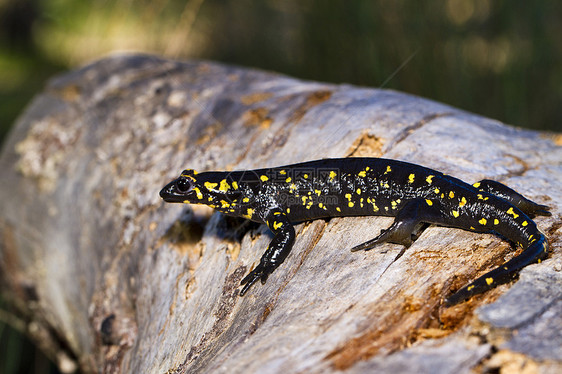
(108, 278)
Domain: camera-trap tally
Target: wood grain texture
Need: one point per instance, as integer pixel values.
(108, 278)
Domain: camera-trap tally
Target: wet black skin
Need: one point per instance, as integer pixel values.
(415, 195)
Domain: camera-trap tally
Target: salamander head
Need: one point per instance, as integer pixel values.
(184, 189)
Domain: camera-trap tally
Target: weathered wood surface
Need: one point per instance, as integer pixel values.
(108, 278)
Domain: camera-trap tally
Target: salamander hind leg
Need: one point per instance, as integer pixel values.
(501, 190)
(277, 251)
(405, 225)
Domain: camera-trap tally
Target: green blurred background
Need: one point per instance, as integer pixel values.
(500, 59)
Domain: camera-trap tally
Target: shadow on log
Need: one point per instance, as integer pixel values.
(108, 278)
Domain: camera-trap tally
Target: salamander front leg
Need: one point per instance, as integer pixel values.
(501, 190)
(408, 219)
(278, 249)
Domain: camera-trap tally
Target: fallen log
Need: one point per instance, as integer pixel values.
(105, 277)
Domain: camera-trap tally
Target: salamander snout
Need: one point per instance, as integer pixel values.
(178, 190)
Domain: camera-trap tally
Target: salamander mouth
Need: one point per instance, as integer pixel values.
(171, 193)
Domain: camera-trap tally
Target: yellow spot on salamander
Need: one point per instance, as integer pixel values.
(477, 184)
(462, 202)
(451, 194)
(361, 202)
(480, 197)
(303, 200)
(276, 213)
(282, 172)
(210, 186)
(455, 213)
(264, 178)
(305, 176)
(411, 178)
(429, 202)
(350, 204)
(510, 211)
(292, 187)
(235, 185)
(245, 200)
(393, 203)
(338, 209)
(496, 221)
(224, 186)
(249, 212)
(277, 225)
(288, 210)
(288, 180)
(332, 175)
(320, 205)
(429, 179)
(525, 223)
(388, 169)
(483, 221)
(470, 288)
(348, 196)
(375, 208)
(318, 192)
(489, 281)
(362, 174)
(198, 193)
(386, 185)
(436, 190)
(225, 204)
(358, 191)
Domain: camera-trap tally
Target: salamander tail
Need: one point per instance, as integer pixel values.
(535, 252)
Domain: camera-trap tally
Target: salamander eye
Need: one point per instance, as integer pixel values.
(183, 185)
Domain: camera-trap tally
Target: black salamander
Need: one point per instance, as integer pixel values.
(415, 195)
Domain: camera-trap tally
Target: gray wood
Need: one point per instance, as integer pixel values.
(108, 278)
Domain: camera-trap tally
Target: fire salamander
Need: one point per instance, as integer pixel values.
(415, 195)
